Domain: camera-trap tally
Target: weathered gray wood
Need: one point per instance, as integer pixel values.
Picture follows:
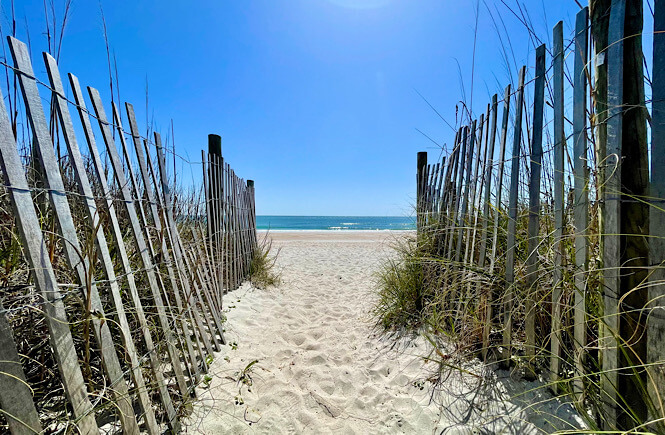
(141, 243)
(200, 336)
(559, 146)
(451, 175)
(450, 195)
(656, 321)
(238, 234)
(206, 305)
(455, 199)
(480, 179)
(499, 180)
(512, 224)
(192, 299)
(225, 216)
(209, 269)
(432, 189)
(93, 217)
(200, 299)
(251, 185)
(234, 225)
(184, 310)
(581, 204)
(155, 364)
(533, 226)
(74, 254)
(190, 295)
(439, 193)
(208, 234)
(245, 224)
(487, 296)
(487, 181)
(16, 404)
(472, 212)
(221, 176)
(222, 260)
(463, 215)
(470, 246)
(612, 221)
(207, 241)
(214, 304)
(36, 252)
(182, 316)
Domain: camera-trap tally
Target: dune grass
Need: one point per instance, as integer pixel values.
(263, 272)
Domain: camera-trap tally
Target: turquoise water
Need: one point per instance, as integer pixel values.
(335, 223)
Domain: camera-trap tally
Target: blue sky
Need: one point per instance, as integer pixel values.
(316, 100)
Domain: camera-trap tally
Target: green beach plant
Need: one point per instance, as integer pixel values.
(262, 268)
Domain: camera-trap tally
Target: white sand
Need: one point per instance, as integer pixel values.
(322, 368)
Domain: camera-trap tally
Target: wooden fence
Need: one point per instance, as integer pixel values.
(114, 255)
(558, 270)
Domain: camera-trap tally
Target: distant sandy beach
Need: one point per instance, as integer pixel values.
(321, 367)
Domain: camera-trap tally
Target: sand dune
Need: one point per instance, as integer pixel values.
(320, 367)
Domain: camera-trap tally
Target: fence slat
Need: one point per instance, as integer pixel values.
(43, 144)
(176, 279)
(450, 193)
(499, 179)
(469, 255)
(16, 403)
(533, 227)
(463, 216)
(36, 252)
(559, 146)
(512, 224)
(656, 325)
(141, 243)
(93, 216)
(581, 177)
(214, 305)
(487, 295)
(487, 180)
(190, 296)
(612, 215)
(455, 203)
(173, 421)
(184, 272)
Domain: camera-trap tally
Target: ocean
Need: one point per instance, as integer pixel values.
(335, 223)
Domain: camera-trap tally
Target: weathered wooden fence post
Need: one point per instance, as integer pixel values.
(463, 216)
(215, 152)
(488, 297)
(581, 204)
(559, 145)
(626, 250)
(512, 224)
(421, 166)
(533, 227)
(656, 326)
(493, 303)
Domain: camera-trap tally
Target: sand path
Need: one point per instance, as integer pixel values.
(320, 367)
